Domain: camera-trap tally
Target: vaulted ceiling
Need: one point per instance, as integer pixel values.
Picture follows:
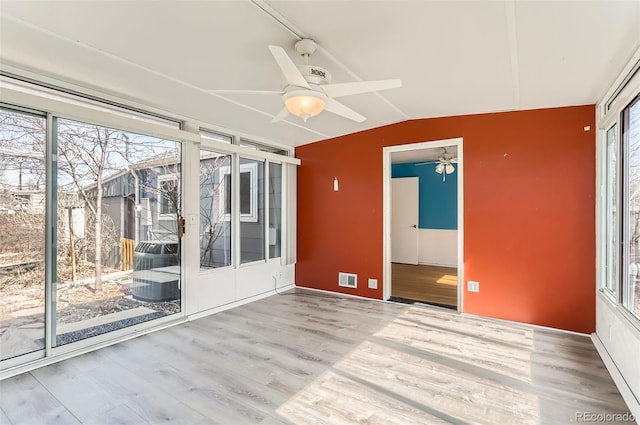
(453, 57)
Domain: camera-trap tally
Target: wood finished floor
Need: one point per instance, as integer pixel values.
(432, 284)
(306, 358)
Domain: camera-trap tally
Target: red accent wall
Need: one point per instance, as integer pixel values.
(529, 211)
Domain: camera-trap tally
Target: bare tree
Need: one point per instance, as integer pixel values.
(87, 155)
(212, 222)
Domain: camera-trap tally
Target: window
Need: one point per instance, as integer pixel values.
(109, 196)
(168, 196)
(22, 240)
(215, 221)
(218, 137)
(264, 148)
(105, 178)
(612, 228)
(252, 230)
(631, 213)
(248, 192)
(619, 237)
(275, 209)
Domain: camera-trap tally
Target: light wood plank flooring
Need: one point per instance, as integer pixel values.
(431, 284)
(308, 358)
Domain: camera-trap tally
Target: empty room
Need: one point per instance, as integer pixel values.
(319, 212)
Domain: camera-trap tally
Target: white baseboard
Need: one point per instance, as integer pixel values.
(339, 294)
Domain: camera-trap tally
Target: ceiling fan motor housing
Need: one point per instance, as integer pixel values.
(314, 74)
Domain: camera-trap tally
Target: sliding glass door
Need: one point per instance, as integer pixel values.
(22, 224)
(112, 260)
(118, 247)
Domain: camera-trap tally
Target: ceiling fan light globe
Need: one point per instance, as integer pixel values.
(439, 168)
(304, 103)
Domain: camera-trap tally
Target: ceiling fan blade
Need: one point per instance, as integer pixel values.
(281, 115)
(245, 91)
(343, 110)
(346, 89)
(288, 68)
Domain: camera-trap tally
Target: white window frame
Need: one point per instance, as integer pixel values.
(48, 102)
(611, 289)
(252, 169)
(609, 114)
(163, 178)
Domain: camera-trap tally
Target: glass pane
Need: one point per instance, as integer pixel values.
(22, 218)
(245, 193)
(262, 147)
(118, 251)
(227, 193)
(211, 135)
(275, 209)
(631, 135)
(612, 229)
(252, 218)
(215, 209)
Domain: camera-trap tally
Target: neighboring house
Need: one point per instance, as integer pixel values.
(30, 201)
(143, 204)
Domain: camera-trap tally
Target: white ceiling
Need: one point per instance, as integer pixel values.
(419, 155)
(453, 57)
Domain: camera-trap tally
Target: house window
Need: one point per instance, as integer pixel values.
(168, 196)
(252, 230)
(248, 192)
(215, 231)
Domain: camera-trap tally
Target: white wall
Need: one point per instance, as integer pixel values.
(438, 247)
(215, 289)
(620, 350)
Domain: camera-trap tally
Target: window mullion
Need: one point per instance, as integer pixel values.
(51, 161)
(235, 210)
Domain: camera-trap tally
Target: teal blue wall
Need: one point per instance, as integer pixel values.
(438, 203)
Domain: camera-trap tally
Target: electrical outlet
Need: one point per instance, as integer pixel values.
(373, 283)
(473, 286)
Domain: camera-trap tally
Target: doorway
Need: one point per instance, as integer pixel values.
(422, 197)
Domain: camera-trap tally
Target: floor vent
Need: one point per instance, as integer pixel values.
(348, 280)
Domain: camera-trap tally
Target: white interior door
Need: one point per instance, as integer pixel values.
(404, 220)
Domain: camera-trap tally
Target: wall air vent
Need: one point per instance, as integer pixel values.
(348, 280)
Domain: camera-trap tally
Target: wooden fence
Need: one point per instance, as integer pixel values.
(126, 253)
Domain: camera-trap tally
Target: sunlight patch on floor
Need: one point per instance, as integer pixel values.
(448, 279)
(489, 345)
(452, 392)
(335, 399)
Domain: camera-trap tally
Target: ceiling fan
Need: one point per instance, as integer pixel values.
(307, 90)
(444, 164)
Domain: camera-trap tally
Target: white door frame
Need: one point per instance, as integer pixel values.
(386, 210)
